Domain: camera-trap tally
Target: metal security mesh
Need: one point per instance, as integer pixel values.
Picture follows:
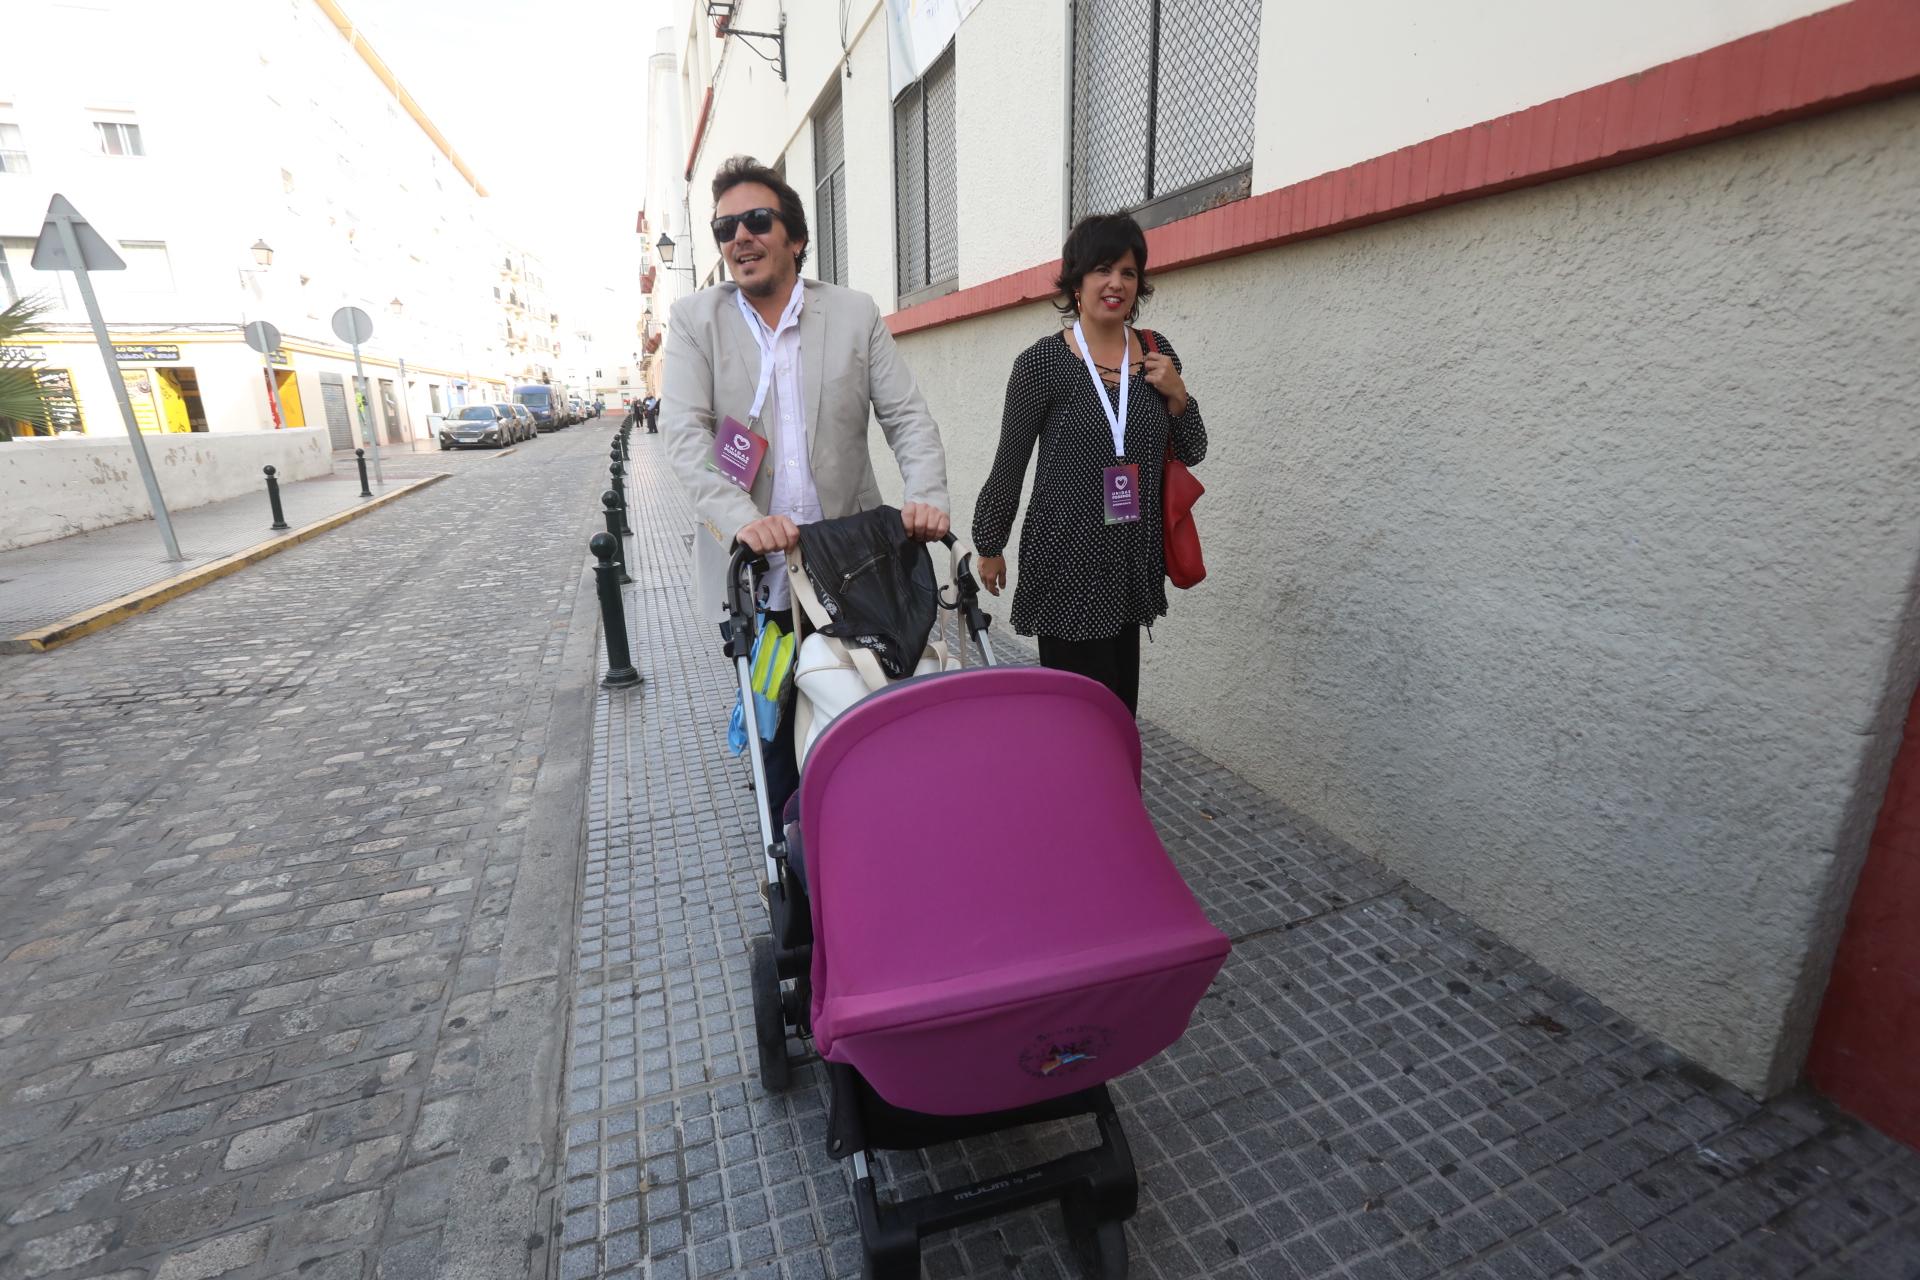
(943, 173)
(926, 169)
(1113, 78)
(910, 187)
(830, 193)
(1164, 94)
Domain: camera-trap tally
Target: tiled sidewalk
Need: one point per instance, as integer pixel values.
(1375, 1088)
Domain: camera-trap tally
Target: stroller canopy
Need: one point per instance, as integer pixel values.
(972, 958)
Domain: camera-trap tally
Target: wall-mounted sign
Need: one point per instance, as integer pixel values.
(22, 355)
(56, 392)
(146, 353)
(280, 358)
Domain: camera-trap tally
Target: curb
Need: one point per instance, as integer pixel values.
(102, 616)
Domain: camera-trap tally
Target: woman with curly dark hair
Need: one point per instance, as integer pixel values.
(1106, 411)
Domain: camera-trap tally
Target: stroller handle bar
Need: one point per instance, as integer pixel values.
(747, 567)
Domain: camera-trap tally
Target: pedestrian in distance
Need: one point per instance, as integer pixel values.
(653, 415)
(1106, 404)
(770, 383)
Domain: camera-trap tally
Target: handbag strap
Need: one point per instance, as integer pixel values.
(1153, 343)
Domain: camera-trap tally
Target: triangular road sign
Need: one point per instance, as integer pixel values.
(50, 251)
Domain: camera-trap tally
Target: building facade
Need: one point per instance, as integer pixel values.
(270, 126)
(1562, 513)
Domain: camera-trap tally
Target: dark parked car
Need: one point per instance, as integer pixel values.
(480, 426)
(529, 429)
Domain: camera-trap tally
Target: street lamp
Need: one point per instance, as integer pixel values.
(263, 254)
(397, 307)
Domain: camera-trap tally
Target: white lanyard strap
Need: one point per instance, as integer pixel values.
(766, 342)
(1116, 419)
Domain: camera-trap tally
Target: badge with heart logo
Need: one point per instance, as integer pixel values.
(737, 453)
(1123, 493)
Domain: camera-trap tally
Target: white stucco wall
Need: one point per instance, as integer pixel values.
(1342, 83)
(50, 488)
(1577, 530)
(1010, 62)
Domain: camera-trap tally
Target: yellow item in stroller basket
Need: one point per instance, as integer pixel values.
(771, 668)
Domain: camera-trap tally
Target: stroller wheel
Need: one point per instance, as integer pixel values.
(769, 1025)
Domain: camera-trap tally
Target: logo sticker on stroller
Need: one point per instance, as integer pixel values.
(1064, 1052)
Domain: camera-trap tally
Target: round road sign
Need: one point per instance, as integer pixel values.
(263, 337)
(352, 325)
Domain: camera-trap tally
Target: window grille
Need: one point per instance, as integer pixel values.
(13, 150)
(1163, 105)
(926, 166)
(830, 193)
(118, 139)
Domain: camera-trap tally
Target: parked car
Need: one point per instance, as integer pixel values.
(547, 406)
(529, 429)
(480, 426)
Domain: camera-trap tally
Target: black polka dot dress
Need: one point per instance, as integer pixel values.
(1080, 578)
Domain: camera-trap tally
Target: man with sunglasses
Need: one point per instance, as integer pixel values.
(769, 383)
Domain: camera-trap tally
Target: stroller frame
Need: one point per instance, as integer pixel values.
(1098, 1188)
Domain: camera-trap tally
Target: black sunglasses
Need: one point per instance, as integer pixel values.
(759, 222)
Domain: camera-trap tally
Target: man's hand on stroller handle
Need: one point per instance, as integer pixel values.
(925, 522)
(769, 534)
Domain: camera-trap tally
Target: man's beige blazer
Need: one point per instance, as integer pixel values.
(848, 364)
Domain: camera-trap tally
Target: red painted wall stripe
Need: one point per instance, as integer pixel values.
(1854, 53)
(1866, 1046)
(699, 131)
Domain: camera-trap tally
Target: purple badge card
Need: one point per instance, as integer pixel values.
(737, 451)
(1123, 493)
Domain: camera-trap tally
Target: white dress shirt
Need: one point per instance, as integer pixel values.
(784, 416)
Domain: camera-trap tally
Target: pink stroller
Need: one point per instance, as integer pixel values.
(964, 972)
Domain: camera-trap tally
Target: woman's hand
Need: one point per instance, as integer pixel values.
(992, 573)
(1164, 378)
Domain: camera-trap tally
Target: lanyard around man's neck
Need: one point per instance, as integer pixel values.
(765, 340)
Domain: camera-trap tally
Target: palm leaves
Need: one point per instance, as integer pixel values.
(19, 389)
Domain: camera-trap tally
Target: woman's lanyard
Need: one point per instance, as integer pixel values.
(1116, 419)
(1121, 481)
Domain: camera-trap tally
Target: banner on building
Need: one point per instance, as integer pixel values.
(918, 31)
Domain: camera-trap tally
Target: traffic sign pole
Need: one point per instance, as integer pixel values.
(265, 339)
(366, 415)
(77, 264)
(352, 325)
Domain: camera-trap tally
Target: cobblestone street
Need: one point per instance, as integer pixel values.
(306, 971)
(280, 945)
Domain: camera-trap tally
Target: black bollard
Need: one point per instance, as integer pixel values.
(361, 454)
(612, 505)
(613, 617)
(619, 475)
(273, 500)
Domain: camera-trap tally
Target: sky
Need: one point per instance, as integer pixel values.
(546, 102)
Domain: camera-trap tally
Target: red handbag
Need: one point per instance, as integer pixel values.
(1180, 536)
